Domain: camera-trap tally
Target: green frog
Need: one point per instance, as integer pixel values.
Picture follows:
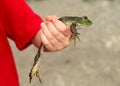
(74, 23)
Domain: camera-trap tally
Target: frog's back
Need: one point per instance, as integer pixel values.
(68, 20)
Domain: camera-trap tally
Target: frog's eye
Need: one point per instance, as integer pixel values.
(85, 18)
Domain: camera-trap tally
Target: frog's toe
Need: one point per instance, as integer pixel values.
(38, 76)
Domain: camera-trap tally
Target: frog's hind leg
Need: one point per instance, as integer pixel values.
(30, 76)
(36, 64)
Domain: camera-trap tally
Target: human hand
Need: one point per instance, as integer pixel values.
(54, 34)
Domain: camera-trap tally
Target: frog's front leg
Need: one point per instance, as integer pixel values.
(75, 34)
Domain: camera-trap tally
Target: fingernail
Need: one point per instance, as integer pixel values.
(42, 24)
(41, 32)
(48, 17)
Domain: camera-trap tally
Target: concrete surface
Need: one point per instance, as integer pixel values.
(95, 61)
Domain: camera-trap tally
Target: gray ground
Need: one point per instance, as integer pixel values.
(95, 61)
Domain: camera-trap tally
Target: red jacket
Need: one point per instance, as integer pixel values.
(20, 23)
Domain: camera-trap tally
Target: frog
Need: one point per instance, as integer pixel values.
(74, 23)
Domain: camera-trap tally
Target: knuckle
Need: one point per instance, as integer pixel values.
(49, 47)
(67, 43)
(50, 37)
(56, 34)
(46, 44)
(64, 45)
(64, 29)
(59, 48)
(52, 49)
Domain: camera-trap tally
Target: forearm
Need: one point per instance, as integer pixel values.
(20, 22)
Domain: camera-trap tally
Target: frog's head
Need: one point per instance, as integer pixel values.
(83, 22)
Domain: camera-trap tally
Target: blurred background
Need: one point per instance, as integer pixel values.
(94, 61)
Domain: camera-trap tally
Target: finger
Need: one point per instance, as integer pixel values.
(58, 35)
(52, 40)
(50, 18)
(45, 41)
(62, 27)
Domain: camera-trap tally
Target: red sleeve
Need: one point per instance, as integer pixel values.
(20, 21)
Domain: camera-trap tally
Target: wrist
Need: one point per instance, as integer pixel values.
(36, 39)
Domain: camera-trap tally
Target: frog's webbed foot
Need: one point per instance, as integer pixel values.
(34, 72)
(38, 76)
